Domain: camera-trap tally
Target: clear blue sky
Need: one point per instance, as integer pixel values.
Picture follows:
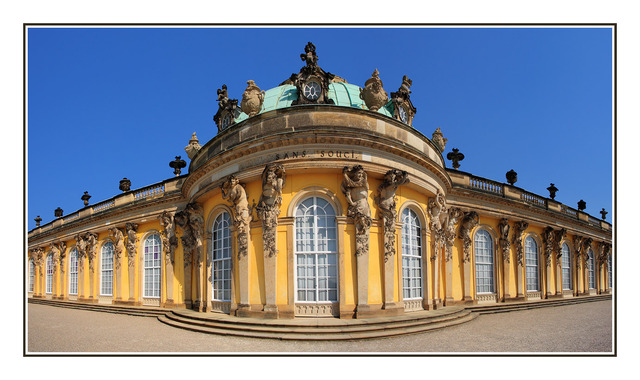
(108, 103)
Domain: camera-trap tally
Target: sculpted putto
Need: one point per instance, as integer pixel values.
(356, 189)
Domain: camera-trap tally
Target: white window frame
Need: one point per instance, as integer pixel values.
(610, 270)
(106, 271)
(73, 272)
(221, 258)
(32, 269)
(529, 257)
(566, 267)
(411, 244)
(479, 263)
(49, 274)
(330, 256)
(591, 269)
(152, 268)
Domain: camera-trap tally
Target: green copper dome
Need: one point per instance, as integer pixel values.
(342, 94)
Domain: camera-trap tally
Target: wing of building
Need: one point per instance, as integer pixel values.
(319, 198)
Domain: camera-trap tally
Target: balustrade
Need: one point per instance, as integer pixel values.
(486, 185)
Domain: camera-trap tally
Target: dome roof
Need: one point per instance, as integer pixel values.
(342, 94)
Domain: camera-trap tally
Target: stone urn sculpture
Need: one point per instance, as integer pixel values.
(252, 99)
(373, 94)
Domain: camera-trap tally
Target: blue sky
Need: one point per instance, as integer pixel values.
(108, 103)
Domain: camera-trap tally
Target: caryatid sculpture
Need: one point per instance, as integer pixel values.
(386, 200)
(118, 246)
(469, 221)
(453, 217)
(62, 247)
(234, 191)
(268, 208)
(195, 214)
(132, 242)
(356, 189)
(518, 233)
(92, 244)
(81, 245)
(169, 238)
(437, 211)
(558, 237)
(503, 240)
(548, 240)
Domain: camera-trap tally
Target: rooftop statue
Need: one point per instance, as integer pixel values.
(309, 55)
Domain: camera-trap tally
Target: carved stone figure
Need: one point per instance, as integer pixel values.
(92, 244)
(62, 247)
(194, 146)
(453, 216)
(503, 240)
(226, 109)
(518, 234)
(169, 238)
(309, 56)
(386, 201)
(548, 240)
(373, 94)
(81, 245)
(38, 257)
(356, 189)
(268, 208)
(195, 214)
(468, 222)
(181, 219)
(55, 252)
(252, 99)
(234, 191)
(558, 236)
(131, 230)
(437, 215)
(439, 140)
(577, 243)
(118, 247)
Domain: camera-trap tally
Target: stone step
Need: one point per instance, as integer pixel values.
(508, 307)
(301, 328)
(288, 335)
(129, 310)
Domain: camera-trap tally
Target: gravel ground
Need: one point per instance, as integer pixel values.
(578, 328)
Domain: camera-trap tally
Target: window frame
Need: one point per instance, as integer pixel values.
(566, 256)
(73, 272)
(406, 241)
(156, 237)
(49, 274)
(591, 275)
(491, 254)
(32, 272)
(108, 270)
(536, 255)
(226, 247)
(331, 262)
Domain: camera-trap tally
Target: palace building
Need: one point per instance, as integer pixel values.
(318, 198)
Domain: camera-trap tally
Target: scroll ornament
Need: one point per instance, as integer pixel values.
(386, 201)
(356, 189)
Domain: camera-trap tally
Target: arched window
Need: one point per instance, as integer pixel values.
(411, 255)
(591, 265)
(49, 280)
(73, 272)
(221, 258)
(315, 251)
(31, 275)
(566, 267)
(152, 265)
(609, 266)
(483, 251)
(531, 263)
(106, 273)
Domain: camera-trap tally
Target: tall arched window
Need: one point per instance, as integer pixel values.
(609, 266)
(316, 251)
(152, 265)
(31, 275)
(566, 267)
(221, 258)
(411, 255)
(483, 251)
(73, 272)
(531, 263)
(49, 280)
(106, 273)
(591, 265)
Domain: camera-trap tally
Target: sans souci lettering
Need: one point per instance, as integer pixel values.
(320, 153)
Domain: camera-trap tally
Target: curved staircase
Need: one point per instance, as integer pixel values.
(317, 329)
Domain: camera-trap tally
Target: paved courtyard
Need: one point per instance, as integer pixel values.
(583, 327)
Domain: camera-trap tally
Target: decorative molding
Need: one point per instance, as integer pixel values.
(403, 108)
(386, 201)
(317, 310)
(356, 190)
(413, 305)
